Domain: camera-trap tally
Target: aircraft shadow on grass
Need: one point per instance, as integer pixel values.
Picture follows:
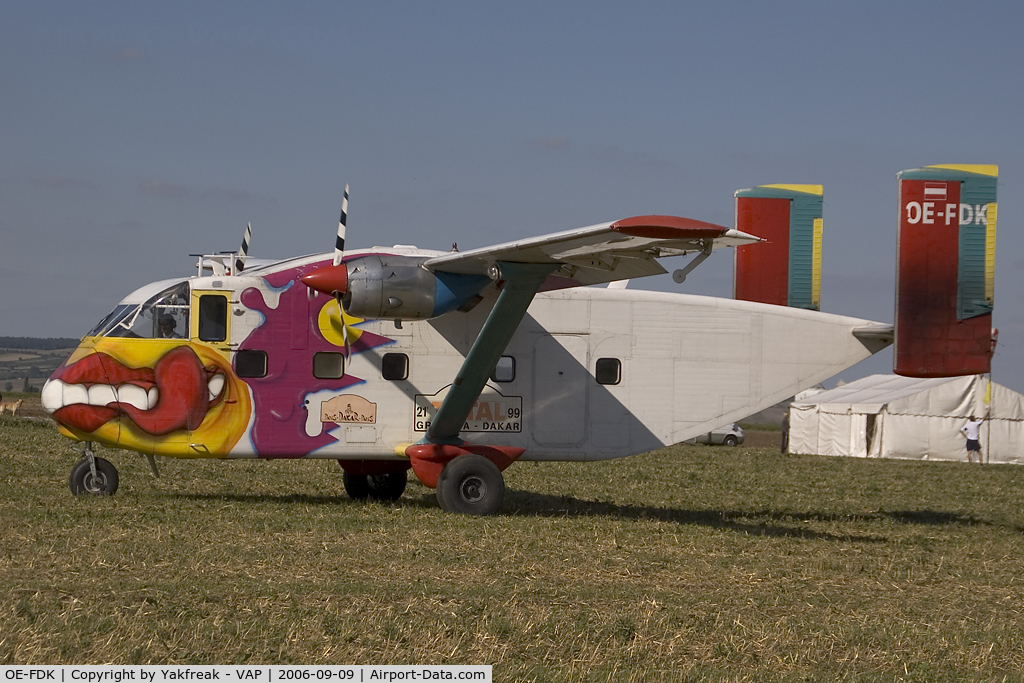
(764, 522)
(746, 522)
(531, 504)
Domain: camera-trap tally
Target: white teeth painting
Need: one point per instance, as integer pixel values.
(56, 394)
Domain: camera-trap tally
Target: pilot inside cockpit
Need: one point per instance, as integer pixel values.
(167, 327)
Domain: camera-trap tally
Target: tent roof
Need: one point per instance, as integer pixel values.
(872, 392)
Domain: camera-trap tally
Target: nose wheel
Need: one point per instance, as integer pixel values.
(93, 476)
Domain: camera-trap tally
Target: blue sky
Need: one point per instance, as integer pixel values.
(133, 134)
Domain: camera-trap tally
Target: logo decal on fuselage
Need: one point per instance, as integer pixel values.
(492, 412)
(348, 408)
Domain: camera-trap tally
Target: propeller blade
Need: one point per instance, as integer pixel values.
(344, 326)
(339, 244)
(333, 280)
(244, 251)
(339, 255)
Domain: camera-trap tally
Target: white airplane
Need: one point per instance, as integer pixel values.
(456, 364)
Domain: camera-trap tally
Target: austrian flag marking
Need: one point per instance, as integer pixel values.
(935, 191)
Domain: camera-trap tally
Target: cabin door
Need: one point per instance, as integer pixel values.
(560, 390)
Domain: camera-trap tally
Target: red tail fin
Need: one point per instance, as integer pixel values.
(786, 270)
(945, 271)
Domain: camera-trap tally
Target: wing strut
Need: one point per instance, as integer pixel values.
(522, 280)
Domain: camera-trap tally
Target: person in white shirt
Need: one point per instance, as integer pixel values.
(972, 430)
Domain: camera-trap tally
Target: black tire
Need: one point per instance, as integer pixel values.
(441, 487)
(387, 487)
(731, 441)
(357, 486)
(470, 485)
(383, 487)
(82, 482)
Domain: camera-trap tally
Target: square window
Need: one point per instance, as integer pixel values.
(328, 365)
(505, 370)
(608, 371)
(394, 366)
(251, 363)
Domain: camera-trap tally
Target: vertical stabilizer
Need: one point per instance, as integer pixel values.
(945, 270)
(786, 270)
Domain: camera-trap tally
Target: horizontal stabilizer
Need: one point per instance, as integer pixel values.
(786, 270)
(945, 270)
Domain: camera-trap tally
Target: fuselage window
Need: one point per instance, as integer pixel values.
(608, 371)
(504, 370)
(213, 317)
(394, 366)
(328, 365)
(251, 363)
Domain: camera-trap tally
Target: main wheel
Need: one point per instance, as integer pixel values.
(731, 441)
(82, 480)
(470, 485)
(387, 487)
(384, 487)
(357, 486)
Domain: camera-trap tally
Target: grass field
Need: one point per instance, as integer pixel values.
(690, 563)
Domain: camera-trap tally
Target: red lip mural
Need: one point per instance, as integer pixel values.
(179, 377)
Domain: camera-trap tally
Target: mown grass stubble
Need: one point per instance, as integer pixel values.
(689, 563)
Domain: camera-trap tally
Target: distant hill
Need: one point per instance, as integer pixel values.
(38, 343)
(26, 362)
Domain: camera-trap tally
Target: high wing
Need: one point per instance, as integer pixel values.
(617, 250)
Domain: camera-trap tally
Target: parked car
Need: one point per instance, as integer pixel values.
(729, 435)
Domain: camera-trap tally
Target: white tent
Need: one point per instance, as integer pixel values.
(888, 416)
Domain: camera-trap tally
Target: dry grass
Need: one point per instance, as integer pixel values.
(691, 563)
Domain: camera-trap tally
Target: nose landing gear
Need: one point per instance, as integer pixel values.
(92, 475)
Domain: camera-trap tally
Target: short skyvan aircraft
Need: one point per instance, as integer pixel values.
(456, 364)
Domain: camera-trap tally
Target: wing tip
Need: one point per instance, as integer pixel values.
(667, 227)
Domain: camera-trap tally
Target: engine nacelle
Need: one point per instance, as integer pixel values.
(398, 287)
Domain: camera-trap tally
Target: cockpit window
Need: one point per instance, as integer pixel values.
(164, 315)
(111, 319)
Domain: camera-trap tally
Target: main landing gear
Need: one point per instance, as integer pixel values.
(470, 485)
(364, 480)
(467, 483)
(92, 475)
(467, 476)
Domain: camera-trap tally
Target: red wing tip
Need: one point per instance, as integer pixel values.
(667, 227)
